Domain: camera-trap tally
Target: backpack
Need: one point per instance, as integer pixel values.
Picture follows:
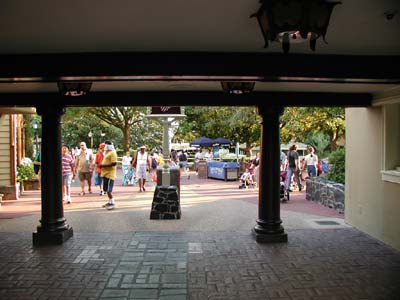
(182, 157)
(154, 163)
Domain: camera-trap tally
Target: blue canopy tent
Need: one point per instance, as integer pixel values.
(223, 142)
(202, 142)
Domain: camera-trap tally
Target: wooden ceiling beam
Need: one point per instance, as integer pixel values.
(167, 98)
(198, 66)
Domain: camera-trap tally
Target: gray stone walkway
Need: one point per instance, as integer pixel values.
(208, 254)
(314, 264)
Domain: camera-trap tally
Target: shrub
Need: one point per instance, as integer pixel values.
(25, 171)
(337, 166)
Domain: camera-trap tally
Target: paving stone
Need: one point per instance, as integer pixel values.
(114, 293)
(144, 293)
(173, 278)
(167, 292)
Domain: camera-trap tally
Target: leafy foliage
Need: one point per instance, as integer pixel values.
(122, 117)
(297, 123)
(337, 166)
(319, 141)
(125, 126)
(78, 122)
(25, 171)
(149, 132)
(239, 124)
(30, 133)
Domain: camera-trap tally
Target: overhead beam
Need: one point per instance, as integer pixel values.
(185, 98)
(198, 66)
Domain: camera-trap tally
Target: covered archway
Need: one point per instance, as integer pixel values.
(178, 55)
(53, 227)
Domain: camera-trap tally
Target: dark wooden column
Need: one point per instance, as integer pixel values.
(268, 228)
(53, 228)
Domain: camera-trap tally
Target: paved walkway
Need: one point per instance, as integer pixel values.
(208, 254)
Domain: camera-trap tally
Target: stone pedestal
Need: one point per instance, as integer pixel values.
(166, 203)
(174, 179)
(46, 238)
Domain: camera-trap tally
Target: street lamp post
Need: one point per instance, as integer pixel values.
(90, 135)
(35, 125)
(167, 115)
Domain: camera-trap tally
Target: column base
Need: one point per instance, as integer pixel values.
(46, 238)
(280, 237)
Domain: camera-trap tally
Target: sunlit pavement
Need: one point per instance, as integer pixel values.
(208, 254)
(207, 205)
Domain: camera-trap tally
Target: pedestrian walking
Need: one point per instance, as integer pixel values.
(183, 163)
(109, 173)
(84, 168)
(67, 170)
(98, 180)
(293, 168)
(142, 164)
(311, 162)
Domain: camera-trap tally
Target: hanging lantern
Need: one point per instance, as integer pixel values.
(294, 21)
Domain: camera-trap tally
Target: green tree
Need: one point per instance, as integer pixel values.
(240, 124)
(336, 171)
(77, 122)
(319, 141)
(297, 123)
(149, 132)
(121, 117)
(30, 134)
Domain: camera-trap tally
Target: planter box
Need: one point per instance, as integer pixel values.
(32, 184)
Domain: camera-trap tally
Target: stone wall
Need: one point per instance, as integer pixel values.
(326, 192)
(166, 203)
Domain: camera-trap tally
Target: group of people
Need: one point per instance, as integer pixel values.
(290, 166)
(83, 163)
(104, 166)
(180, 158)
(293, 167)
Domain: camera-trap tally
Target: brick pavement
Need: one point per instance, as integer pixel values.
(174, 262)
(314, 264)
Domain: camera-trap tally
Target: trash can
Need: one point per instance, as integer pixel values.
(202, 170)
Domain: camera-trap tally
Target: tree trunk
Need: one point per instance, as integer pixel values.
(333, 140)
(127, 138)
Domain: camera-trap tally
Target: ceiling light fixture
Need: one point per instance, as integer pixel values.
(74, 88)
(294, 21)
(237, 87)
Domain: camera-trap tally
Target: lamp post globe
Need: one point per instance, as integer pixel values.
(90, 135)
(35, 125)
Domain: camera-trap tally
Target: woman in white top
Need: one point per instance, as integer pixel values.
(127, 171)
(311, 160)
(142, 165)
(126, 159)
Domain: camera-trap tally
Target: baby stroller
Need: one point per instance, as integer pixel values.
(128, 176)
(246, 181)
(283, 193)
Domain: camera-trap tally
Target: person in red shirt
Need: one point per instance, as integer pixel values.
(98, 160)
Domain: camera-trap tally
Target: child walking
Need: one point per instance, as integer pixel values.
(67, 167)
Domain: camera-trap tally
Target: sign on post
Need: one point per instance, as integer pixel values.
(166, 110)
